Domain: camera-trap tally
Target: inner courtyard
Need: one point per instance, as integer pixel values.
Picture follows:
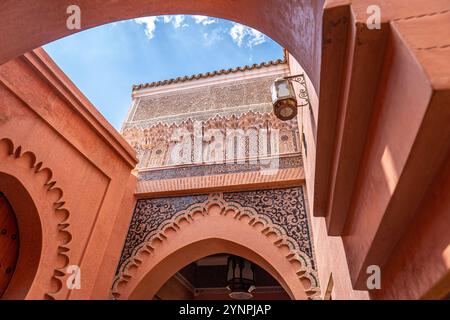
(321, 175)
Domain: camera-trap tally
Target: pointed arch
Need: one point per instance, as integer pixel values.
(210, 227)
(43, 224)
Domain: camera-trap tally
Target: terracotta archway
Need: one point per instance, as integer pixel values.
(42, 224)
(295, 24)
(210, 228)
(166, 268)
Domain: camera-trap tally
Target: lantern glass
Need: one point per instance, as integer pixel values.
(240, 278)
(282, 89)
(283, 99)
(247, 271)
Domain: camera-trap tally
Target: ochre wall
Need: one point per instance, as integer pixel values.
(330, 253)
(174, 290)
(76, 170)
(420, 264)
(375, 197)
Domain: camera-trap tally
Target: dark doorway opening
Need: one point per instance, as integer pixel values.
(206, 279)
(9, 243)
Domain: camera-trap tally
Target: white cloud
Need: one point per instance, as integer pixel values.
(237, 32)
(256, 38)
(213, 36)
(150, 25)
(177, 20)
(204, 20)
(240, 33)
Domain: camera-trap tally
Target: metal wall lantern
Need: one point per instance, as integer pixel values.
(284, 99)
(240, 278)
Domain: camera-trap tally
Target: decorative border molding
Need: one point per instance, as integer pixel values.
(131, 256)
(154, 144)
(183, 119)
(285, 162)
(52, 75)
(65, 237)
(231, 182)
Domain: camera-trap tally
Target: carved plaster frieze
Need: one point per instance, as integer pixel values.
(234, 137)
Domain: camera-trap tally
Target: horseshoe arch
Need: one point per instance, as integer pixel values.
(215, 226)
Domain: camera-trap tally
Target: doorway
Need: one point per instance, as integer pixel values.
(9, 244)
(213, 278)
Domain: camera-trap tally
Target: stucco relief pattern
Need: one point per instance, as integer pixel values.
(214, 97)
(234, 116)
(149, 214)
(154, 144)
(281, 211)
(285, 208)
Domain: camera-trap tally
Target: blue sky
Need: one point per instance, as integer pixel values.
(106, 61)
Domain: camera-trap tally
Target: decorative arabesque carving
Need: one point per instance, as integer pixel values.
(64, 237)
(154, 143)
(285, 208)
(243, 92)
(281, 212)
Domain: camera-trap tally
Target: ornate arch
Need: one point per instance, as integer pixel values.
(38, 183)
(168, 227)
